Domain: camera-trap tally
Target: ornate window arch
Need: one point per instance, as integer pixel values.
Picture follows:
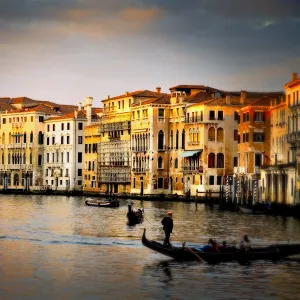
(211, 160)
(161, 140)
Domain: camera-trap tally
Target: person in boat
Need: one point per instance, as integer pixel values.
(130, 204)
(245, 244)
(167, 223)
(214, 245)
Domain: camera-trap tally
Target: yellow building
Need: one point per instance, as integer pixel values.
(22, 141)
(90, 171)
(292, 90)
(150, 158)
(114, 155)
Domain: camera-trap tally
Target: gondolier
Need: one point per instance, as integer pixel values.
(130, 204)
(167, 223)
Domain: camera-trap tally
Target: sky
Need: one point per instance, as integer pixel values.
(66, 50)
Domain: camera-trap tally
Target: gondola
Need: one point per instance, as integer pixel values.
(99, 203)
(273, 252)
(135, 217)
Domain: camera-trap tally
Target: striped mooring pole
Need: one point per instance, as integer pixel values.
(238, 189)
(255, 191)
(227, 188)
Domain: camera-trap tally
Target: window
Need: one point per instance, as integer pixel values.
(79, 157)
(53, 127)
(48, 157)
(176, 163)
(160, 163)
(220, 115)
(48, 127)
(258, 137)
(80, 126)
(48, 140)
(67, 172)
(235, 135)
(211, 160)
(53, 140)
(4, 121)
(80, 139)
(211, 180)
(212, 115)
(68, 156)
(62, 157)
(161, 113)
(160, 183)
(259, 116)
(68, 139)
(235, 161)
(68, 126)
(39, 159)
(62, 126)
(177, 139)
(41, 138)
(134, 183)
(219, 180)
(31, 137)
(220, 160)
(246, 137)
(183, 139)
(258, 160)
(161, 140)
(220, 135)
(41, 118)
(79, 182)
(211, 134)
(62, 140)
(236, 116)
(79, 172)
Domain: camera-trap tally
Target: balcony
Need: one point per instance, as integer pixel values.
(193, 120)
(240, 170)
(24, 167)
(256, 170)
(193, 143)
(139, 149)
(139, 170)
(16, 146)
(192, 169)
(162, 148)
(293, 137)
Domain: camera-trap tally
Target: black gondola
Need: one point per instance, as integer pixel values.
(106, 203)
(135, 217)
(273, 252)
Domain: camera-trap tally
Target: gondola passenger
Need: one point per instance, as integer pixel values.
(245, 244)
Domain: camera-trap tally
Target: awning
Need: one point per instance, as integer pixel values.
(189, 153)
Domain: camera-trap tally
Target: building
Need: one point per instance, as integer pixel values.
(292, 90)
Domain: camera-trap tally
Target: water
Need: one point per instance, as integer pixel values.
(58, 248)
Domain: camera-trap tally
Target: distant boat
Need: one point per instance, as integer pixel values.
(102, 203)
(135, 217)
(251, 211)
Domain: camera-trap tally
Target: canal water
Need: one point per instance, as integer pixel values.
(55, 247)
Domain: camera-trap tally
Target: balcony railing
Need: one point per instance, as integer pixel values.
(192, 120)
(162, 148)
(192, 169)
(240, 170)
(139, 149)
(25, 167)
(139, 170)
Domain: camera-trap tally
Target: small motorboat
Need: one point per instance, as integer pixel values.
(135, 217)
(273, 252)
(102, 203)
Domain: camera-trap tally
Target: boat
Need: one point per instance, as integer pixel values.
(135, 217)
(102, 203)
(273, 252)
(254, 210)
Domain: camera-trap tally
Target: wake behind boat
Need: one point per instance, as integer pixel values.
(273, 252)
(102, 203)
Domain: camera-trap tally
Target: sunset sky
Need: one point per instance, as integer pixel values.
(65, 50)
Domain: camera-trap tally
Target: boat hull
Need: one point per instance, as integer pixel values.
(112, 204)
(273, 252)
(135, 217)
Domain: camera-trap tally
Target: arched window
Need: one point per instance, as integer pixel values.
(197, 135)
(31, 137)
(171, 162)
(3, 138)
(2, 158)
(30, 158)
(161, 140)
(41, 138)
(16, 179)
(211, 160)
(24, 158)
(211, 134)
(177, 139)
(190, 135)
(176, 163)
(160, 163)
(171, 139)
(9, 158)
(220, 135)
(24, 138)
(220, 160)
(194, 135)
(183, 139)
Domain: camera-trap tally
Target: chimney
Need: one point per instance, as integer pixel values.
(79, 106)
(243, 97)
(88, 102)
(127, 93)
(108, 97)
(294, 76)
(158, 89)
(75, 114)
(228, 99)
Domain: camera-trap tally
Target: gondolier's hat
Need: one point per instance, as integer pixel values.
(169, 213)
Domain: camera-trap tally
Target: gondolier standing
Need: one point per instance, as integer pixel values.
(167, 223)
(130, 204)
